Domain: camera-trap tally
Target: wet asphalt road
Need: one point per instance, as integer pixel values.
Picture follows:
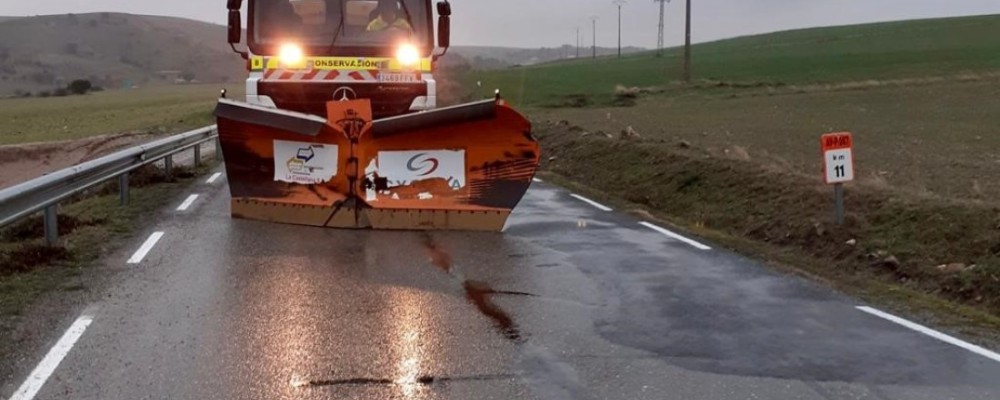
(570, 303)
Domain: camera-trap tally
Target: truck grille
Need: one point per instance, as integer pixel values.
(387, 99)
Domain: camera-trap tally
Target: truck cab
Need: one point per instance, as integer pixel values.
(304, 53)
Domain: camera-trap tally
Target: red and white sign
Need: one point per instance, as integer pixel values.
(838, 157)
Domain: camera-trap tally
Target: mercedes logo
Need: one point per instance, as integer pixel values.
(344, 94)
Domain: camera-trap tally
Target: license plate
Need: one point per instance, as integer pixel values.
(397, 77)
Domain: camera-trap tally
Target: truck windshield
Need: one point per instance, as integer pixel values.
(352, 23)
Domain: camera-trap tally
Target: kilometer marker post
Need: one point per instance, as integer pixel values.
(838, 166)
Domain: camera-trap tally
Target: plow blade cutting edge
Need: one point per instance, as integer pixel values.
(459, 168)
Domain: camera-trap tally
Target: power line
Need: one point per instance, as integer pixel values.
(594, 20)
(659, 40)
(620, 3)
(687, 45)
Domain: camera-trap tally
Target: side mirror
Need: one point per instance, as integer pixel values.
(444, 32)
(444, 8)
(444, 24)
(235, 26)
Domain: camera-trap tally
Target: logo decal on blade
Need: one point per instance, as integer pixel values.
(306, 154)
(423, 165)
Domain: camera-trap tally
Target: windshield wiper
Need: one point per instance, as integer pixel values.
(409, 18)
(340, 28)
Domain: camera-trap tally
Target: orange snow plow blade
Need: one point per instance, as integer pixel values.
(458, 168)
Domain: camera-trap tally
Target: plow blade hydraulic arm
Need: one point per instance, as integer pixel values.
(463, 168)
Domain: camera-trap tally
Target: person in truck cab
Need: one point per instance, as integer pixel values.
(387, 17)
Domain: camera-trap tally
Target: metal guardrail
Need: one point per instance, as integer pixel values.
(44, 194)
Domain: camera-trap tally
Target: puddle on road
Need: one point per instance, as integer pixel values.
(478, 293)
(439, 257)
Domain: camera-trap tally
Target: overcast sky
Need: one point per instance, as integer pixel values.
(536, 23)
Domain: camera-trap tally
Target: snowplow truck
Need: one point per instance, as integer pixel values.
(340, 126)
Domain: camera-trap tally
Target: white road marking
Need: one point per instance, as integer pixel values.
(536, 180)
(187, 202)
(932, 333)
(145, 248)
(214, 178)
(44, 370)
(693, 243)
(599, 206)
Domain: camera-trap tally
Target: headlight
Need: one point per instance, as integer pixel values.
(408, 55)
(290, 54)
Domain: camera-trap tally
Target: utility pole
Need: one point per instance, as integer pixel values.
(659, 40)
(578, 42)
(594, 20)
(620, 3)
(687, 45)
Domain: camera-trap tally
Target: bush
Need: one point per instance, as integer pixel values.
(44, 93)
(60, 93)
(97, 89)
(79, 86)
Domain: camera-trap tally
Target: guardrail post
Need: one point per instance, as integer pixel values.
(123, 193)
(197, 155)
(218, 149)
(52, 224)
(168, 165)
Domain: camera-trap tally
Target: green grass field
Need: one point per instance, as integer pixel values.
(887, 51)
(154, 109)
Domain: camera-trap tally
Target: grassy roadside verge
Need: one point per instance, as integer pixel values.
(89, 227)
(888, 252)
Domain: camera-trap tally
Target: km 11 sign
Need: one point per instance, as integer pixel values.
(838, 166)
(838, 157)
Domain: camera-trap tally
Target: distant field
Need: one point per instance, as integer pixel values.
(935, 139)
(156, 109)
(910, 49)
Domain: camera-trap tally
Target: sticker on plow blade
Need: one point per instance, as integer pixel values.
(404, 168)
(304, 163)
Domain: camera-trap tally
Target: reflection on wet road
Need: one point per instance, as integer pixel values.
(479, 293)
(570, 303)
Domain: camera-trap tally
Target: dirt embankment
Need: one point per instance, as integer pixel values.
(23, 162)
(946, 248)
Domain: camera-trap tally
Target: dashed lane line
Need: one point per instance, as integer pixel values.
(670, 234)
(145, 248)
(597, 205)
(44, 370)
(187, 203)
(214, 178)
(932, 333)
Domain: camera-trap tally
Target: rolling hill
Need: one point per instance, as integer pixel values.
(884, 51)
(116, 50)
(112, 50)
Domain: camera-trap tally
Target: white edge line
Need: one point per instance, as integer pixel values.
(536, 180)
(214, 177)
(187, 202)
(932, 333)
(145, 248)
(693, 243)
(599, 206)
(44, 370)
